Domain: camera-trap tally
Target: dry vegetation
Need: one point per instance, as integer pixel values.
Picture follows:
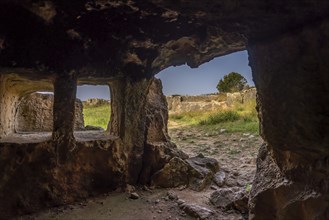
(238, 118)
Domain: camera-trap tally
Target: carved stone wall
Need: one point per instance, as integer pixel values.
(49, 45)
(292, 80)
(35, 114)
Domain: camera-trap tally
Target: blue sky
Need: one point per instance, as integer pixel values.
(185, 80)
(202, 80)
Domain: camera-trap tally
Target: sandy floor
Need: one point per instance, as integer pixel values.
(235, 152)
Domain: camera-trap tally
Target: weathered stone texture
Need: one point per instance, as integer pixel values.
(43, 184)
(12, 88)
(124, 43)
(35, 113)
(181, 104)
(196, 172)
(156, 114)
(291, 76)
(65, 89)
(241, 97)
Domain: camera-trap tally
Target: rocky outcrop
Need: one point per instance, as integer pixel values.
(35, 114)
(291, 76)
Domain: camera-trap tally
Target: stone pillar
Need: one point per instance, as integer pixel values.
(116, 123)
(128, 120)
(64, 115)
(291, 74)
(156, 114)
(9, 99)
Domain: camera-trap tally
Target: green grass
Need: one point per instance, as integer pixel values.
(220, 117)
(238, 118)
(97, 115)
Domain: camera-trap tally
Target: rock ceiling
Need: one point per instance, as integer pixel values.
(107, 38)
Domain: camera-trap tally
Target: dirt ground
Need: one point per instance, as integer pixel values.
(235, 152)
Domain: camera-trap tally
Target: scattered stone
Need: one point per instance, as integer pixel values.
(180, 201)
(251, 136)
(213, 187)
(219, 178)
(157, 201)
(222, 130)
(145, 188)
(172, 195)
(200, 155)
(230, 198)
(201, 172)
(134, 195)
(196, 172)
(173, 174)
(246, 134)
(129, 188)
(230, 182)
(196, 211)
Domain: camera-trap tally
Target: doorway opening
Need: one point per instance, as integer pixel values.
(206, 121)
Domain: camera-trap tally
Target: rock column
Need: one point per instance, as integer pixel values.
(9, 98)
(64, 115)
(128, 120)
(291, 73)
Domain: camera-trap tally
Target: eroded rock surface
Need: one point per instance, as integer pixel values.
(180, 104)
(197, 211)
(54, 44)
(196, 172)
(292, 168)
(35, 114)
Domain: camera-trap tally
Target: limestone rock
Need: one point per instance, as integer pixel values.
(156, 114)
(241, 97)
(230, 198)
(196, 172)
(173, 174)
(35, 113)
(201, 172)
(172, 195)
(179, 104)
(134, 195)
(235, 97)
(219, 178)
(196, 211)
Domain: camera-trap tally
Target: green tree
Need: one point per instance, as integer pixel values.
(232, 82)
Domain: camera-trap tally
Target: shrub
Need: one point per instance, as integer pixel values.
(224, 116)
